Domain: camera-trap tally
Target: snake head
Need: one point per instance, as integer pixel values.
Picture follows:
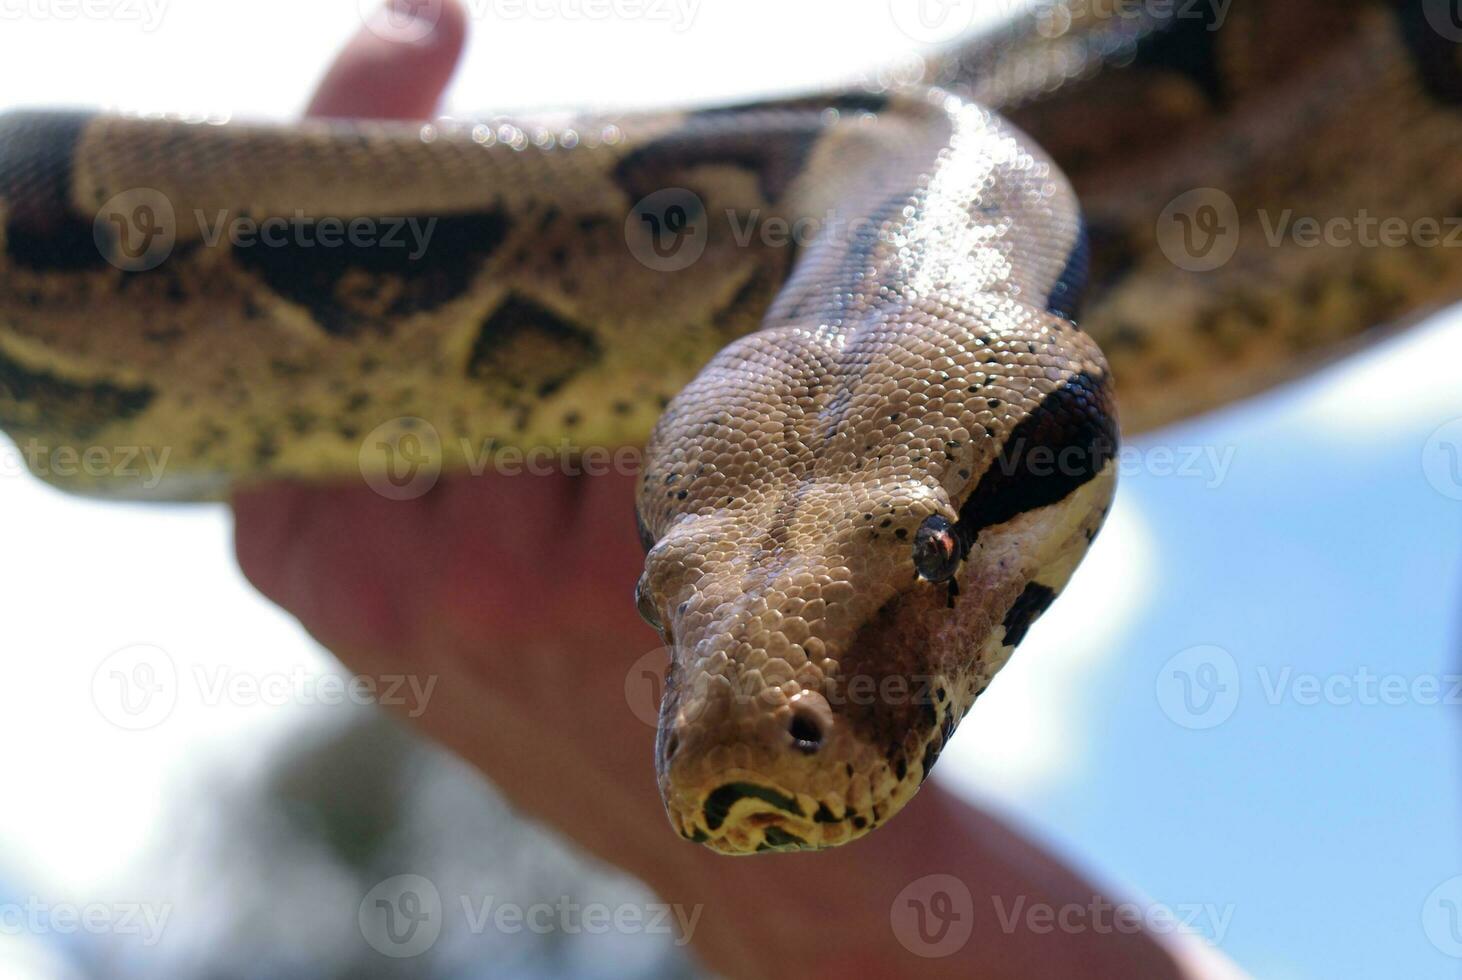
(840, 568)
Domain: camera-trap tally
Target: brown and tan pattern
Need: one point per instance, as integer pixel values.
(856, 509)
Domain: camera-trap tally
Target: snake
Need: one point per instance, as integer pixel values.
(873, 339)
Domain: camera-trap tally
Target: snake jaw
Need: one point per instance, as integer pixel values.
(746, 815)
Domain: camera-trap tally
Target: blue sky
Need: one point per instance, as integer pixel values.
(1317, 800)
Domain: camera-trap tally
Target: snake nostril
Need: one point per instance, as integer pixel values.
(806, 731)
(672, 746)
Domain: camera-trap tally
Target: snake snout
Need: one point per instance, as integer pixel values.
(802, 728)
(761, 778)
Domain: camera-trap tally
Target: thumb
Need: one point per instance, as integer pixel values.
(397, 65)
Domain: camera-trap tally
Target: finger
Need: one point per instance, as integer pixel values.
(397, 65)
(395, 68)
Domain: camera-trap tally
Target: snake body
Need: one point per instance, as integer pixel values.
(895, 431)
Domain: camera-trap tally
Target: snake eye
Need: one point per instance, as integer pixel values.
(646, 603)
(936, 551)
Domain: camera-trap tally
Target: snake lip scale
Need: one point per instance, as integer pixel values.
(875, 454)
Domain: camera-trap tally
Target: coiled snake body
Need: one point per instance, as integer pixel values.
(907, 441)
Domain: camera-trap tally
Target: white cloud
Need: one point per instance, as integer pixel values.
(84, 580)
(1408, 381)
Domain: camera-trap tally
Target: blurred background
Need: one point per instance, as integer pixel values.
(1245, 708)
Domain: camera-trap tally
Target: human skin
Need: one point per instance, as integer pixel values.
(514, 594)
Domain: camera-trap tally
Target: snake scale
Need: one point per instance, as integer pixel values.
(883, 446)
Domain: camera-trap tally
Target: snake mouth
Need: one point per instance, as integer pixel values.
(744, 817)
